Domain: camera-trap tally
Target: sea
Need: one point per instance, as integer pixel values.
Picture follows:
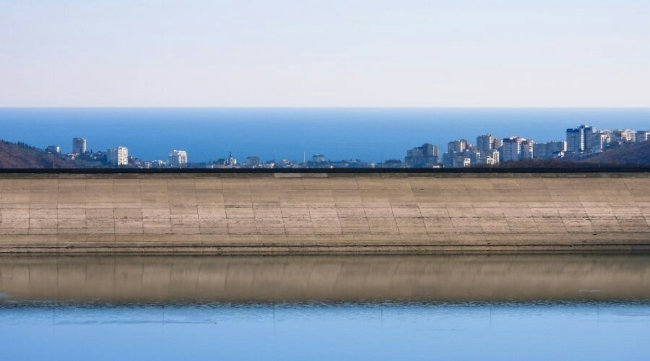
(369, 134)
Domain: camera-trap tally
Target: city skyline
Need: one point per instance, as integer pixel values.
(489, 150)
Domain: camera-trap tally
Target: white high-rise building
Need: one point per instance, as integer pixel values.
(118, 156)
(78, 145)
(177, 158)
(527, 149)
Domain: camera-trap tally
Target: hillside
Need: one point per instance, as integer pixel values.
(627, 156)
(542, 163)
(633, 154)
(19, 155)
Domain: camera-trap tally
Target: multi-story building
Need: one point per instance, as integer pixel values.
(254, 162)
(623, 135)
(575, 140)
(598, 141)
(118, 156)
(158, 163)
(318, 158)
(492, 158)
(53, 149)
(498, 143)
(474, 155)
(578, 139)
(78, 145)
(511, 149)
(430, 150)
(549, 150)
(460, 161)
(177, 158)
(455, 149)
(457, 146)
(485, 143)
(488, 146)
(426, 156)
(642, 136)
(230, 161)
(480, 158)
(527, 149)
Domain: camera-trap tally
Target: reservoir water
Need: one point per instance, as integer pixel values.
(538, 331)
(530, 307)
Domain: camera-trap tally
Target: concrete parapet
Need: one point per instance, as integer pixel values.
(267, 213)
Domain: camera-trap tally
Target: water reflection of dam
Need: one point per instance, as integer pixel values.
(326, 278)
(315, 213)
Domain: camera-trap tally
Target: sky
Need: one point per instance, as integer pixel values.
(329, 53)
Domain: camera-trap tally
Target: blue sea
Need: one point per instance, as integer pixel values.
(339, 133)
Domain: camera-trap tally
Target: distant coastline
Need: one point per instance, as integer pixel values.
(266, 128)
(372, 135)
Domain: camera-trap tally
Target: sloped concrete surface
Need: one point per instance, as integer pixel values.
(284, 213)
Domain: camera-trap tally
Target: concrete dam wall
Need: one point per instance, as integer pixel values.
(313, 213)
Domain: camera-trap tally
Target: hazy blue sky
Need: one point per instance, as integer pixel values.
(325, 53)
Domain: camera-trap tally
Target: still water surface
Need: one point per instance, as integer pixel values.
(336, 308)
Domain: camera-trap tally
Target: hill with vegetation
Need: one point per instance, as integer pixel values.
(628, 155)
(20, 155)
